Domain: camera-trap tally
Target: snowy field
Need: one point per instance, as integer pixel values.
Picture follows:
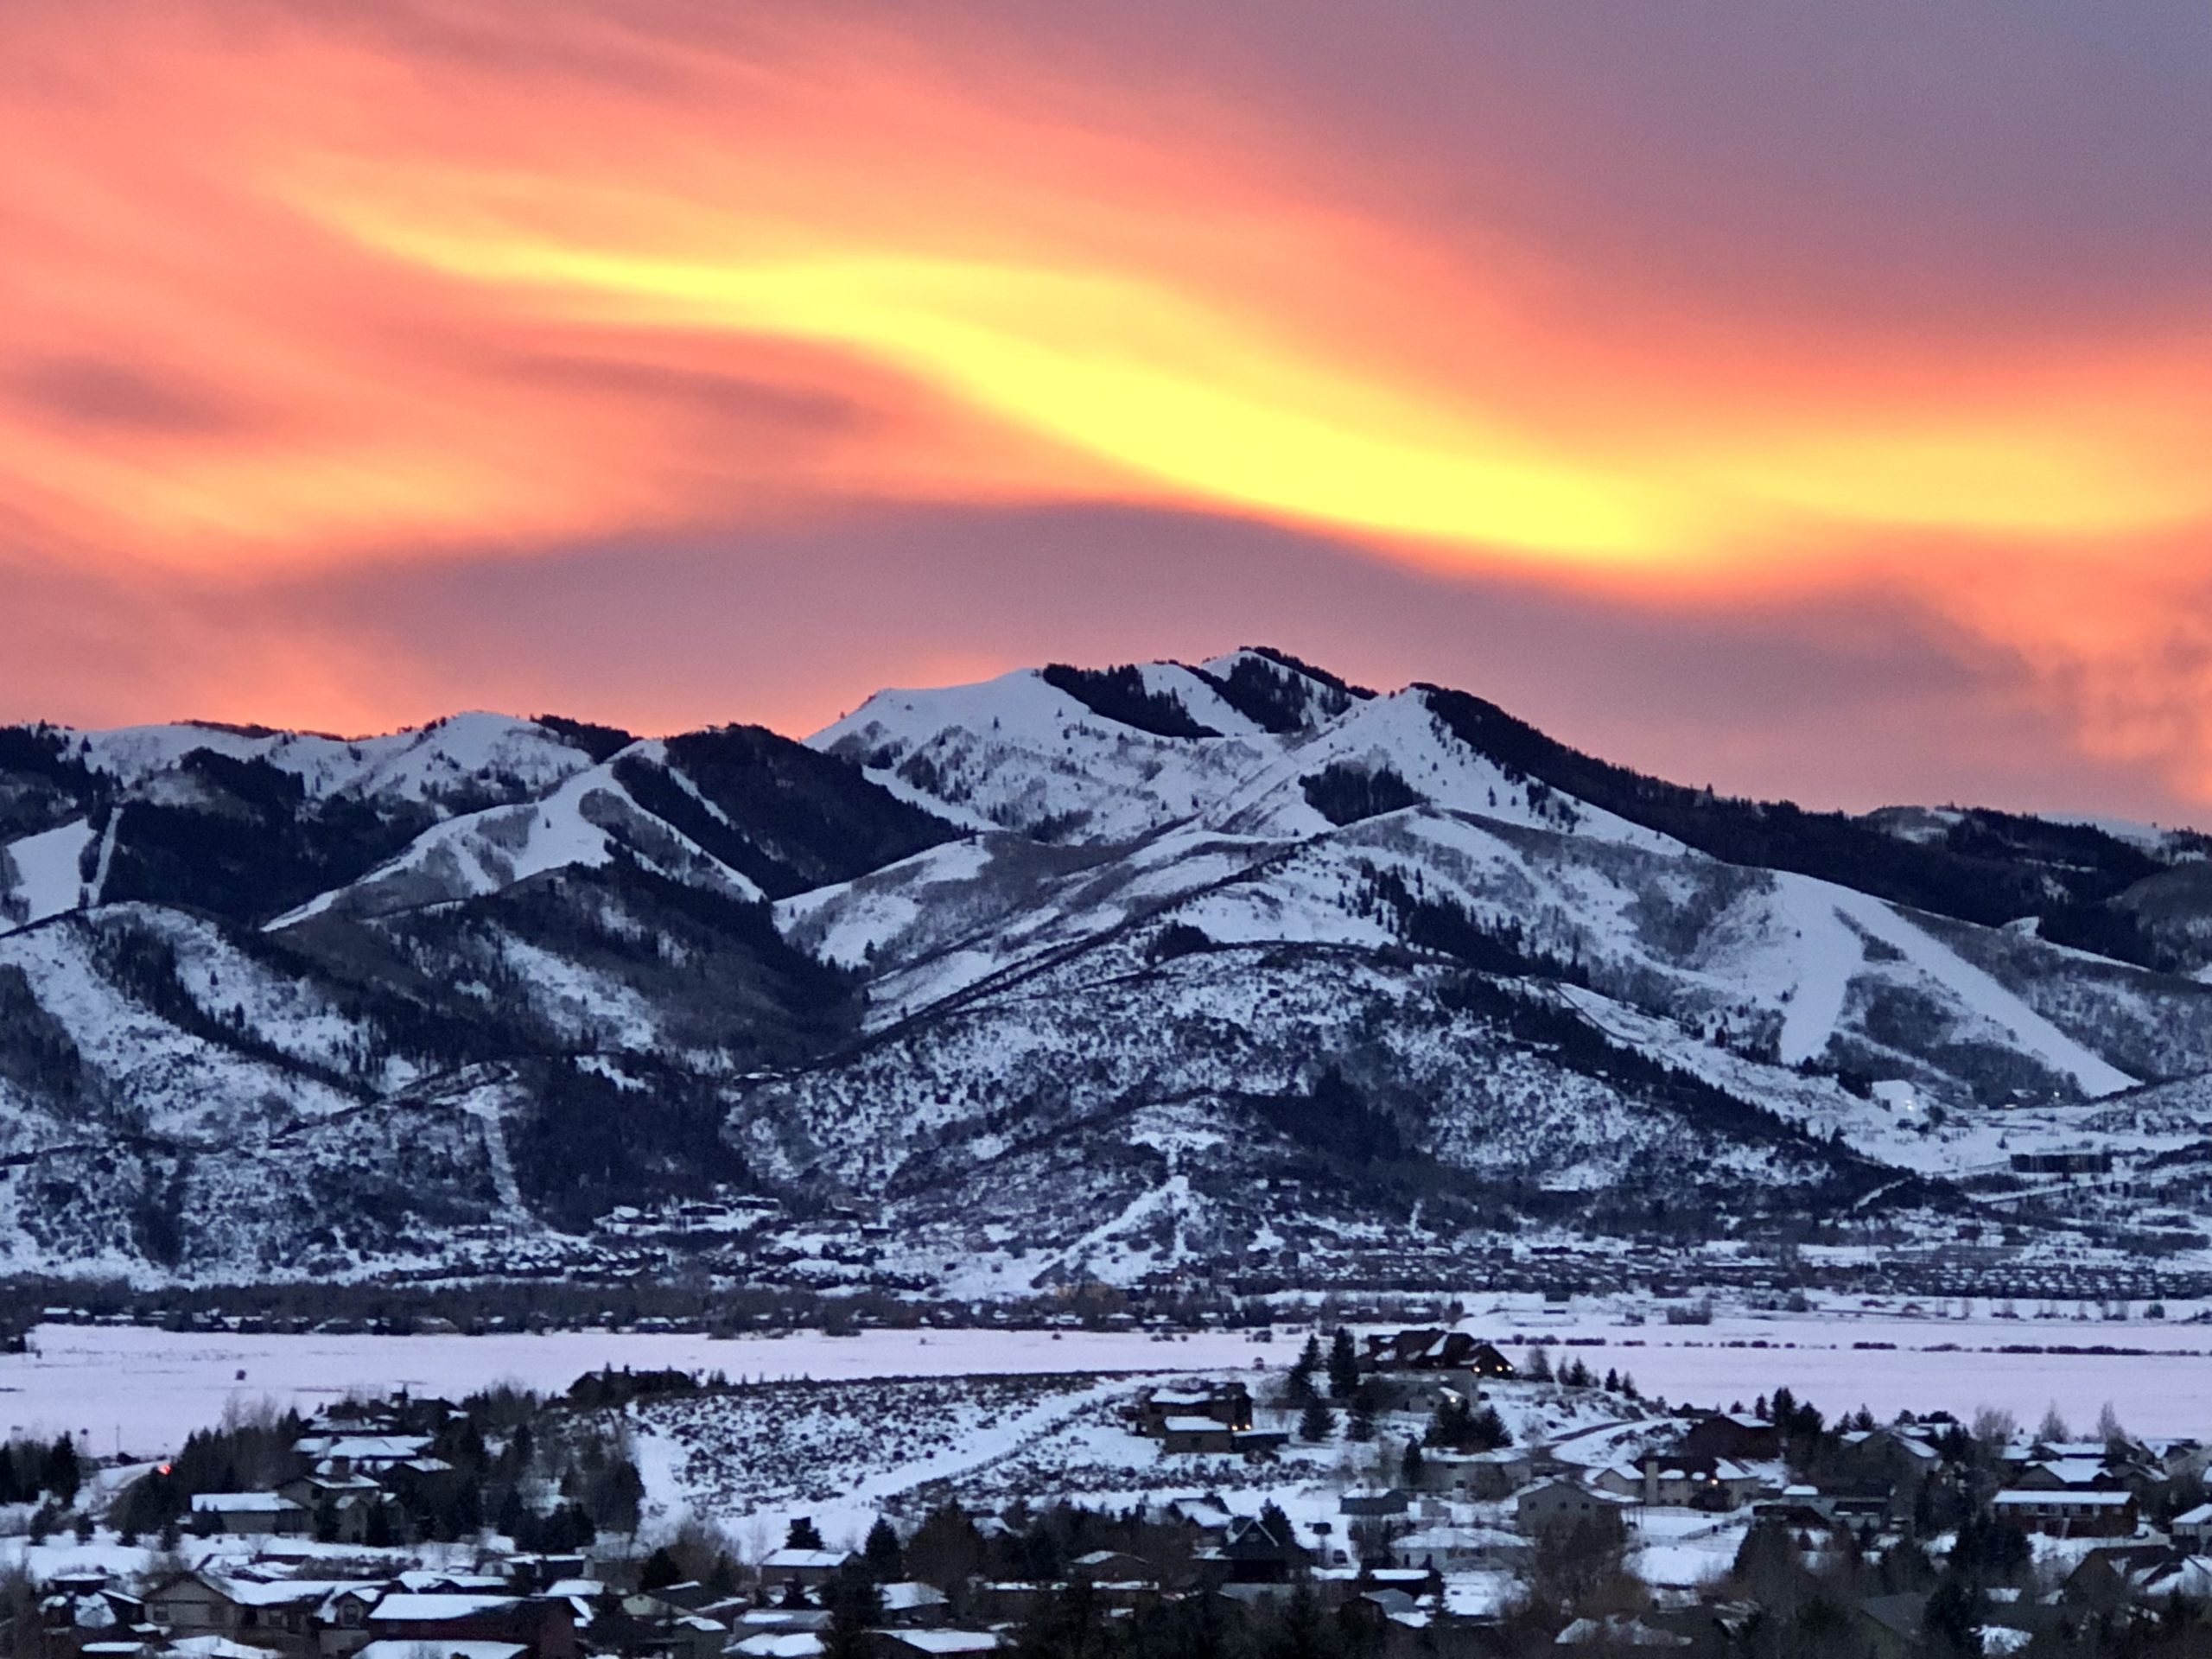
(144, 1389)
(148, 1389)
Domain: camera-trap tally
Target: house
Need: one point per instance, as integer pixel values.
(1883, 1459)
(1478, 1475)
(1448, 1548)
(2193, 1527)
(1567, 1504)
(2112, 1576)
(1675, 1481)
(2062, 1163)
(914, 1607)
(804, 1568)
(1226, 1404)
(343, 1503)
(1111, 1566)
(543, 1626)
(1436, 1350)
(2067, 1514)
(1195, 1434)
(302, 1616)
(1731, 1434)
(343, 1455)
(932, 1644)
(1373, 1503)
(1260, 1549)
(253, 1514)
(2068, 1474)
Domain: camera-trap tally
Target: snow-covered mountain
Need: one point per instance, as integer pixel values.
(1229, 968)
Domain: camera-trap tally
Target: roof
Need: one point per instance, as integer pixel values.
(2065, 1495)
(2199, 1516)
(945, 1641)
(777, 1645)
(906, 1597)
(397, 1448)
(1618, 1631)
(787, 1560)
(437, 1609)
(411, 1648)
(1193, 1425)
(284, 1592)
(423, 1578)
(1900, 1614)
(242, 1503)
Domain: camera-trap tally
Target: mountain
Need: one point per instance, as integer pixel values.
(1228, 973)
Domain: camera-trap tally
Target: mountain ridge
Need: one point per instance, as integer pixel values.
(1215, 969)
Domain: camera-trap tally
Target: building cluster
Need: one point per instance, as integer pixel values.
(1378, 1554)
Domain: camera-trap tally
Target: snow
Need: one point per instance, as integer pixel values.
(482, 852)
(1016, 752)
(1827, 953)
(459, 753)
(47, 878)
(147, 1389)
(1983, 994)
(1402, 733)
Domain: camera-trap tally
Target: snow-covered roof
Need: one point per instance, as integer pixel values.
(906, 1597)
(945, 1641)
(434, 1609)
(780, 1644)
(218, 1647)
(1192, 1426)
(366, 1448)
(2199, 1516)
(411, 1648)
(419, 1580)
(2069, 1495)
(2075, 1471)
(242, 1503)
(1619, 1631)
(787, 1560)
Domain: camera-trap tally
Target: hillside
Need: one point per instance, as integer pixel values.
(1229, 974)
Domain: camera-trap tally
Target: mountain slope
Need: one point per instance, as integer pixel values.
(1227, 968)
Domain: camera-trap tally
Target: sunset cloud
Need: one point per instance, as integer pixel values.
(294, 293)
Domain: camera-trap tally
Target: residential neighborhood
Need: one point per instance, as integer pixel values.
(1414, 1493)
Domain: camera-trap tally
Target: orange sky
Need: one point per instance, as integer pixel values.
(294, 298)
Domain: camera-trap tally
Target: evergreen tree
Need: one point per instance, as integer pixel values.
(1344, 1366)
(1317, 1423)
(1359, 1425)
(659, 1571)
(1299, 1386)
(803, 1534)
(884, 1560)
(1410, 1464)
(855, 1607)
(1539, 1367)
(63, 1476)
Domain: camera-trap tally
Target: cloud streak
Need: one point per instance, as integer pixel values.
(296, 292)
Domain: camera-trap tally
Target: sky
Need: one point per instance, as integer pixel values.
(1805, 400)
